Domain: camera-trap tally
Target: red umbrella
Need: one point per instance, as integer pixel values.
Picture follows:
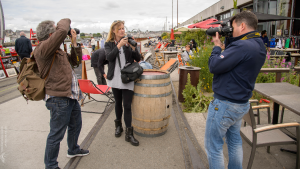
(204, 24)
(172, 34)
(192, 26)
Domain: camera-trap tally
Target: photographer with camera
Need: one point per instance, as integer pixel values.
(120, 51)
(235, 71)
(61, 88)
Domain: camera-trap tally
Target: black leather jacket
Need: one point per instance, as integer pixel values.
(112, 52)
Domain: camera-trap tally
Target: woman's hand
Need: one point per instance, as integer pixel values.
(122, 42)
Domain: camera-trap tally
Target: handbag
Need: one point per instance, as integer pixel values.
(130, 72)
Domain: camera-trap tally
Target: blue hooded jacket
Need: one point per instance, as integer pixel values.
(236, 68)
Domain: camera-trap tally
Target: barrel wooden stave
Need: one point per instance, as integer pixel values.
(157, 110)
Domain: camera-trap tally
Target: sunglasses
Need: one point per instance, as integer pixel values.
(118, 21)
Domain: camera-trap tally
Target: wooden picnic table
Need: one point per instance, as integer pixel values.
(169, 53)
(285, 50)
(284, 94)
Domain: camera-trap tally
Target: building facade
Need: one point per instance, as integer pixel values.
(224, 9)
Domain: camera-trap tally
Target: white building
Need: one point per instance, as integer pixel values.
(224, 9)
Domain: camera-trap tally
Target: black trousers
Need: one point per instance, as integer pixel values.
(100, 78)
(125, 96)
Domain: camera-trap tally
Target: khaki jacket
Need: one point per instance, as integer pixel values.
(59, 80)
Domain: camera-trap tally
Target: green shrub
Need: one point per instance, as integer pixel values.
(200, 60)
(194, 99)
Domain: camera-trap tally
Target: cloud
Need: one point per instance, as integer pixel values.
(32, 18)
(111, 5)
(94, 16)
(8, 18)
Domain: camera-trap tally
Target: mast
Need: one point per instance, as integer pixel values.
(2, 25)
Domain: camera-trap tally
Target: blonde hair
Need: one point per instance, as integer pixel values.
(111, 34)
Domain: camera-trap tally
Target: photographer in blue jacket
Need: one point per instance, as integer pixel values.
(235, 71)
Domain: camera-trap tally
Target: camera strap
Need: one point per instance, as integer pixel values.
(76, 56)
(251, 35)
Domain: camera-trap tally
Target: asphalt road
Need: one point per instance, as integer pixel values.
(9, 89)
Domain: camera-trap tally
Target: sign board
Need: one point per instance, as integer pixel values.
(286, 32)
(279, 32)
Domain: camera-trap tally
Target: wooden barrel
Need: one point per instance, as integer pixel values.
(151, 104)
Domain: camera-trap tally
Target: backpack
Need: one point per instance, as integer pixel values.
(31, 86)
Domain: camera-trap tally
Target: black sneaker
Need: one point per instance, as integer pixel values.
(82, 152)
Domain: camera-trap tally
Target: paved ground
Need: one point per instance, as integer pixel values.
(24, 128)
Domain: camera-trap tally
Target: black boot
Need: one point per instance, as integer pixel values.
(129, 136)
(119, 128)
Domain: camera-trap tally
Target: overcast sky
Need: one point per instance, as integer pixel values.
(93, 16)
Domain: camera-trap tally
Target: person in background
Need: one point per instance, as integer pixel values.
(193, 44)
(265, 39)
(186, 54)
(102, 43)
(173, 43)
(119, 52)
(81, 44)
(93, 43)
(61, 88)
(23, 46)
(98, 60)
(235, 71)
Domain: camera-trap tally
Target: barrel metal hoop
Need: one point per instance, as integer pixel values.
(153, 85)
(163, 119)
(149, 135)
(153, 96)
(146, 129)
(155, 77)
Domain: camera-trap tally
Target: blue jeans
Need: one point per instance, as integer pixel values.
(224, 120)
(64, 113)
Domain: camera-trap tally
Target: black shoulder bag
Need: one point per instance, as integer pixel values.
(130, 72)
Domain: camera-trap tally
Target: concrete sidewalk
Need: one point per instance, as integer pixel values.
(25, 127)
(107, 151)
(177, 148)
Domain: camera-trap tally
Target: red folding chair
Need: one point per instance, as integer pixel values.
(89, 87)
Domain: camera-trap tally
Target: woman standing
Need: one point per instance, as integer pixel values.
(118, 47)
(193, 44)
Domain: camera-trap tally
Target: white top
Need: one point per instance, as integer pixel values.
(93, 41)
(186, 56)
(116, 81)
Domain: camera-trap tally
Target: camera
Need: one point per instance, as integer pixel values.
(130, 40)
(224, 30)
(76, 30)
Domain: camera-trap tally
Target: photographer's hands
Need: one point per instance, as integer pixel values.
(122, 42)
(73, 37)
(217, 41)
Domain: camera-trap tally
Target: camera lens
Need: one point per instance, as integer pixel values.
(212, 31)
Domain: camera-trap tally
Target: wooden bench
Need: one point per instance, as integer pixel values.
(278, 72)
(295, 55)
